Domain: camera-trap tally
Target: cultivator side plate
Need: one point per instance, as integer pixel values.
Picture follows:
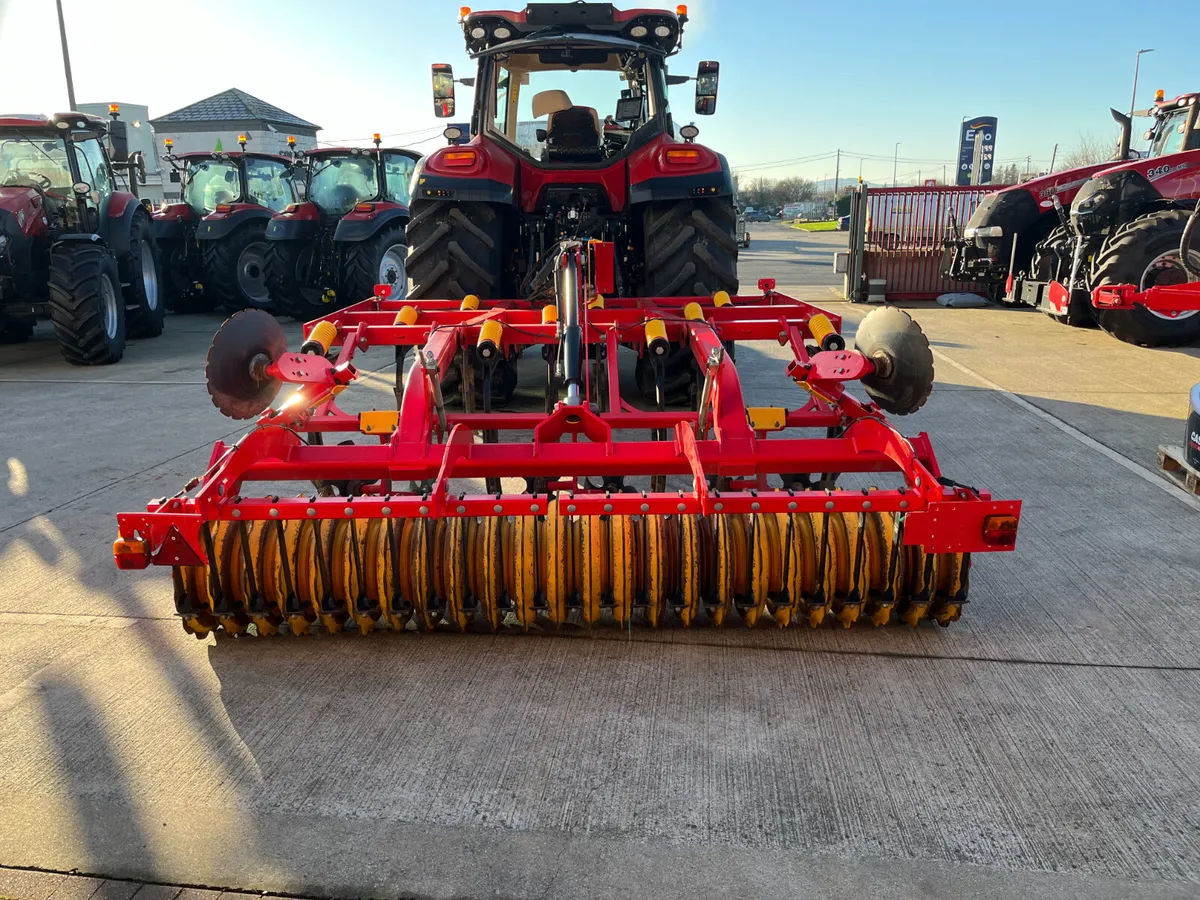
(388, 537)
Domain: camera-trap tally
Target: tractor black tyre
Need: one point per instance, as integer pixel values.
(903, 379)
(235, 269)
(364, 265)
(690, 250)
(86, 306)
(291, 296)
(141, 272)
(455, 249)
(1146, 253)
(15, 331)
(178, 290)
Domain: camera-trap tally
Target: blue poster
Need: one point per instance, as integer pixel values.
(966, 149)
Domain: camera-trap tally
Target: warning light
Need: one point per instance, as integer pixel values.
(168, 143)
(291, 140)
(464, 11)
(1159, 95)
(242, 140)
(375, 137)
(681, 10)
(113, 109)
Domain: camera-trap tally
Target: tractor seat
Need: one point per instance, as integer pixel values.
(572, 132)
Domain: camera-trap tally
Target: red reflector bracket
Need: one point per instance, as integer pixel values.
(459, 158)
(1000, 531)
(130, 554)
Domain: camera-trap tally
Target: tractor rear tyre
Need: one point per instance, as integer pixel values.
(86, 306)
(235, 269)
(1146, 253)
(690, 250)
(145, 312)
(455, 249)
(379, 259)
(287, 265)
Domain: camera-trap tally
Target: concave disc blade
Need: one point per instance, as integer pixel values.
(231, 383)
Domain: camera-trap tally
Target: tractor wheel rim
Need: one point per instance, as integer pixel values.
(391, 271)
(112, 309)
(149, 276)
(1167, 269)
(251, 272)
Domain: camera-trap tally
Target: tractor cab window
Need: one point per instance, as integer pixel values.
(35, 162)
(397, 170)
(209, 182)
(93, 165)
(1170, 137)
(269, 184)
(576, 104)
(338, 182)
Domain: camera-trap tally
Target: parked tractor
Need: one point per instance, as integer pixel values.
(348, 234)
(213, 242)
(1005, 245)
(73, 247)
(1126, 227)
(488, 215)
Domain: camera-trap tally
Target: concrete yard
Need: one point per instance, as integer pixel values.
(1045, 746)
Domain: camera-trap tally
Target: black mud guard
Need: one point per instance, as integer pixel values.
(355, 230)
(685, 187)
(218, 229)
(281, 229)
(168, 229)
(117, 228)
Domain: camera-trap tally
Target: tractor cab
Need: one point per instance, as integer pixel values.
(341, 178)
(209, 180)
(1175, 127)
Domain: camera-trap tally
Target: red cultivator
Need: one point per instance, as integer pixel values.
(392, 534)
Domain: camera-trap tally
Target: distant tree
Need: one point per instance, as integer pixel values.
(794, 190)
(1009, 174)
(1089, 151)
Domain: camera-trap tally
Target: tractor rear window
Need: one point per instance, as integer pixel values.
(269, 184)
(34, 162)
(210, 182)
(397, 170)
(341, 181)
(1170, 137)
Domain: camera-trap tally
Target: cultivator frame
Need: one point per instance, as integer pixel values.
(1167, 300)
(401, 544)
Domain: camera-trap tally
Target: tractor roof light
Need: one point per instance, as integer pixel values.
(291, 140)
(168, 143)
(114, 110)
(463, 12)
(502, 32)
(376, 139)
(452, 133)
(681, 10)
(1159, 95)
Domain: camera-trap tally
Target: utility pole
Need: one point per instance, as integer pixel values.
(1137, 63)
(837, 172)
(62, 33)
(895, 159)
(1053, 156)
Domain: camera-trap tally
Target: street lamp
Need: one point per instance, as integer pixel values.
(62, 35)
(1137, 63)
(895, 159)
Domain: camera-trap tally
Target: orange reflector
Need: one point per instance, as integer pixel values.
(459, 158)
(1000, 531)
(364, 207)
(130, 554)
(683, 157)
(224, 207)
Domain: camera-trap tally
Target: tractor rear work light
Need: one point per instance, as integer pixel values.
(1000, 531)
(459, 158)
(131, 554)
(683, 157)
(993, 231)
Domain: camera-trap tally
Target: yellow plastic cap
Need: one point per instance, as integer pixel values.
(549, 315)
(693, 312)
(469, 302)
(406, 316)
(323, 333)
(721, 298)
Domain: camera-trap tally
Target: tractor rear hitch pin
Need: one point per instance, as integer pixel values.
(429, 364)
(710, 371)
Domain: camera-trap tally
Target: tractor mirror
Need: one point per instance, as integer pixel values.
(173, 176)
(118, 141)
(443, 90)
(706, 87)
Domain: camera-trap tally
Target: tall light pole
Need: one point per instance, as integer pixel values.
(62, 33)
(1137, 64)
(895, 159)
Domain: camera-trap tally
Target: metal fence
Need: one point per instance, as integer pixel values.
(896, 236)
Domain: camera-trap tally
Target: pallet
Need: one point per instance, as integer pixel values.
(1173, 462)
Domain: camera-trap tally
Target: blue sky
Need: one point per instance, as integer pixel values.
(798, 80)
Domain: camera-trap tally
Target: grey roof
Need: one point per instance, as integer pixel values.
(232, 106)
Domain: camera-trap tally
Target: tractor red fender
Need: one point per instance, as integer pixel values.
(219, 225)
(490, 176)
(667, 169)
(170, 222)
(299, 221)
(366, 219)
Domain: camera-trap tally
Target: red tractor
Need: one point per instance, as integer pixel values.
(1126, 227)
(1007, 244)
(73, 247)
(213, 242)
(544, 165)
(348, 234)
